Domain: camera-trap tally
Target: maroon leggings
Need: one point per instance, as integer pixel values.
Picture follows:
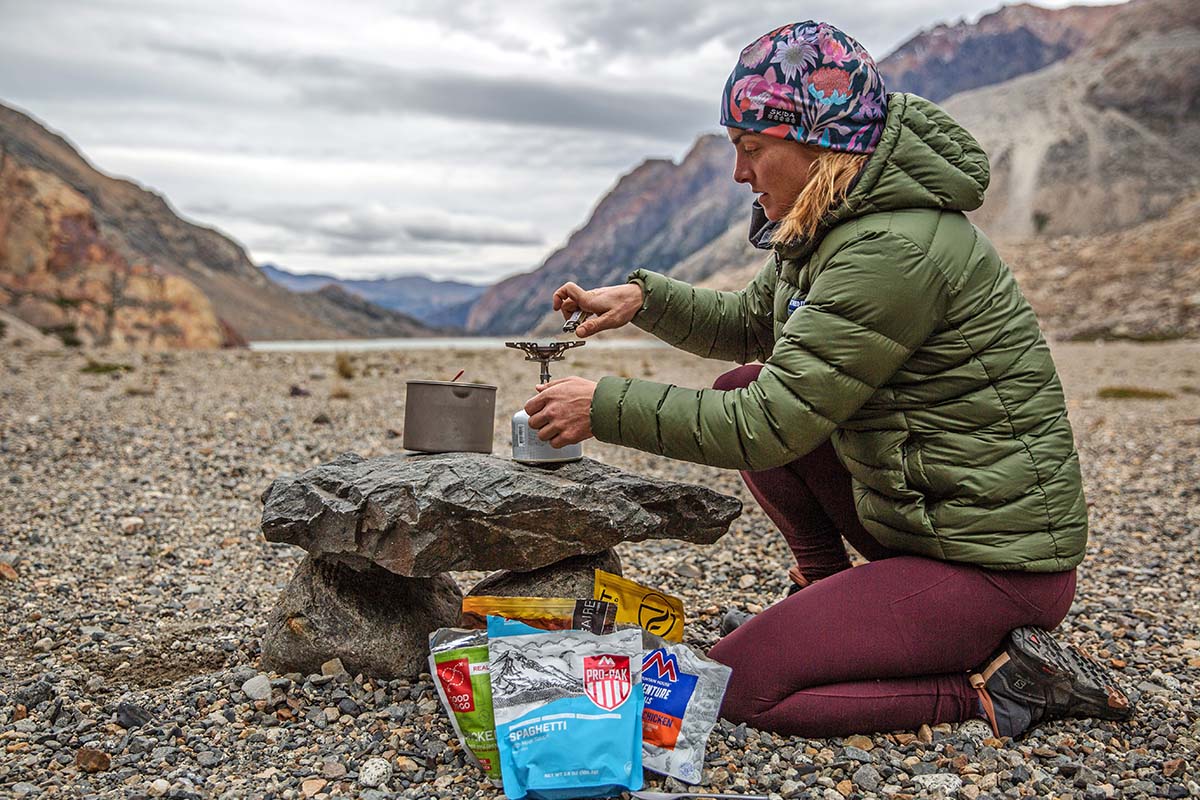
(883, 646)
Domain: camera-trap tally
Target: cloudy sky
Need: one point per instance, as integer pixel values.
(461, 139)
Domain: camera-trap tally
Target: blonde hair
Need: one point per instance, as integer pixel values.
(830, 177)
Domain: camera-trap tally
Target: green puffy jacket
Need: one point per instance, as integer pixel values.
(898, 333)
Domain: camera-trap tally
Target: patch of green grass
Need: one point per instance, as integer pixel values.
(1146, 337)
(94, 367)
(1132, 393)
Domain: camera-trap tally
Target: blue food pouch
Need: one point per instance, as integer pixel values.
(568, 707)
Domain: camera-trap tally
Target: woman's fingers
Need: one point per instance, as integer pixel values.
(567, 298)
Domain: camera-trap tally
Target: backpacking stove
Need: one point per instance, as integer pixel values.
(527, 448)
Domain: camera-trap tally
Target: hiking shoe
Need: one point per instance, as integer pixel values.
(1033, 679)
(732, 620)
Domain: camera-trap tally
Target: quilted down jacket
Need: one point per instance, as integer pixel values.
(898, 333)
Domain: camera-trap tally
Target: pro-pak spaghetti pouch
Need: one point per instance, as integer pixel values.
(683, 693)
(458, 662)
(547, 613)
(568, 708)
(659, 613)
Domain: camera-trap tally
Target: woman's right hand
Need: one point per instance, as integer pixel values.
(610, 306)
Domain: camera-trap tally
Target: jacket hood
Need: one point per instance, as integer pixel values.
(924, 159)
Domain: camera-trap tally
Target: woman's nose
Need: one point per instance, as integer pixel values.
(741, 173)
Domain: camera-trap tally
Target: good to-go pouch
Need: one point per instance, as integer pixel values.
(458, 662)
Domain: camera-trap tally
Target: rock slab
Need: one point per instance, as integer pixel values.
(421, 515)
(378, 623)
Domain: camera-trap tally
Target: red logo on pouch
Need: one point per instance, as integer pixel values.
(606, 680)
(455, 677)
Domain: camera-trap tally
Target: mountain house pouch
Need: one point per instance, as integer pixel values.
(547, 613)
(568, 708)
(683, 692)
(458, 662)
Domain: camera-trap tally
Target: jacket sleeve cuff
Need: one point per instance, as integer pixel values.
(607, 401)
(655, 288)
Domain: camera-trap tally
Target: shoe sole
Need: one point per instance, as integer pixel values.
(1086, 688)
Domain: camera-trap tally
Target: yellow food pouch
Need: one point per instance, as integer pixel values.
(546, 613)
(658, 613)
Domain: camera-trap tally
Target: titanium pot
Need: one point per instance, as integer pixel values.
(449, 417)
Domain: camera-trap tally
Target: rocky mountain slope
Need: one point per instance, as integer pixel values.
(1102, 140)
(657, 215)
(434, 303)
(1014, 40)
(106, 262)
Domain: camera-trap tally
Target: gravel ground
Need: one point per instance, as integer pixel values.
(134, 586)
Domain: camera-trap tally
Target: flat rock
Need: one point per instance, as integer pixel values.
(420, 515)
(572, 577)
(378, 623)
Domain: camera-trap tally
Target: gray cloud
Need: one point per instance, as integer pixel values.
(344, 230)
(360, 87)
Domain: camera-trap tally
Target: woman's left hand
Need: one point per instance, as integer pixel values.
(561, 411)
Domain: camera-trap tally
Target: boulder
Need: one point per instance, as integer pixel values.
(378, 623)
(421, 515)
(571, 577)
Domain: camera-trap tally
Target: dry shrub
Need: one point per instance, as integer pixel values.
(344, 365)
(339, 392)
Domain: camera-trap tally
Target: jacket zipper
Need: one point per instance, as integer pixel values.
(778, 263)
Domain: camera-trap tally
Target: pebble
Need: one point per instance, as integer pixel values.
(333, 667)
(131, 525)
(89, 759)
(375, 772)
(158, 787)
(258, 688)
(131, 715)
(938, 782)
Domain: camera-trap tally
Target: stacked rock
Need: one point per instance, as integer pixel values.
(383, 533)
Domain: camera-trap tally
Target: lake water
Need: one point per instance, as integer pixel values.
(448, 343)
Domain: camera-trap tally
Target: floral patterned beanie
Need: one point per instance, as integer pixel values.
(811, 83)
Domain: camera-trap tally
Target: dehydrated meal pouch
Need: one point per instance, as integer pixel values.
(547, 613)
(568, 708)
(458, 662)
(683, 692)
(659, 613)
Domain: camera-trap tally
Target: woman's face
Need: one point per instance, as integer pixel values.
(776, 169)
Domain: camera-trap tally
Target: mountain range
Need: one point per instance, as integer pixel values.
(435, 303)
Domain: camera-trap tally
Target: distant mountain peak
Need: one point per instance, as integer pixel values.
(1014, 40)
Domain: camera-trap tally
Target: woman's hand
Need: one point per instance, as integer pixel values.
(613, 306)
(561, 411)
